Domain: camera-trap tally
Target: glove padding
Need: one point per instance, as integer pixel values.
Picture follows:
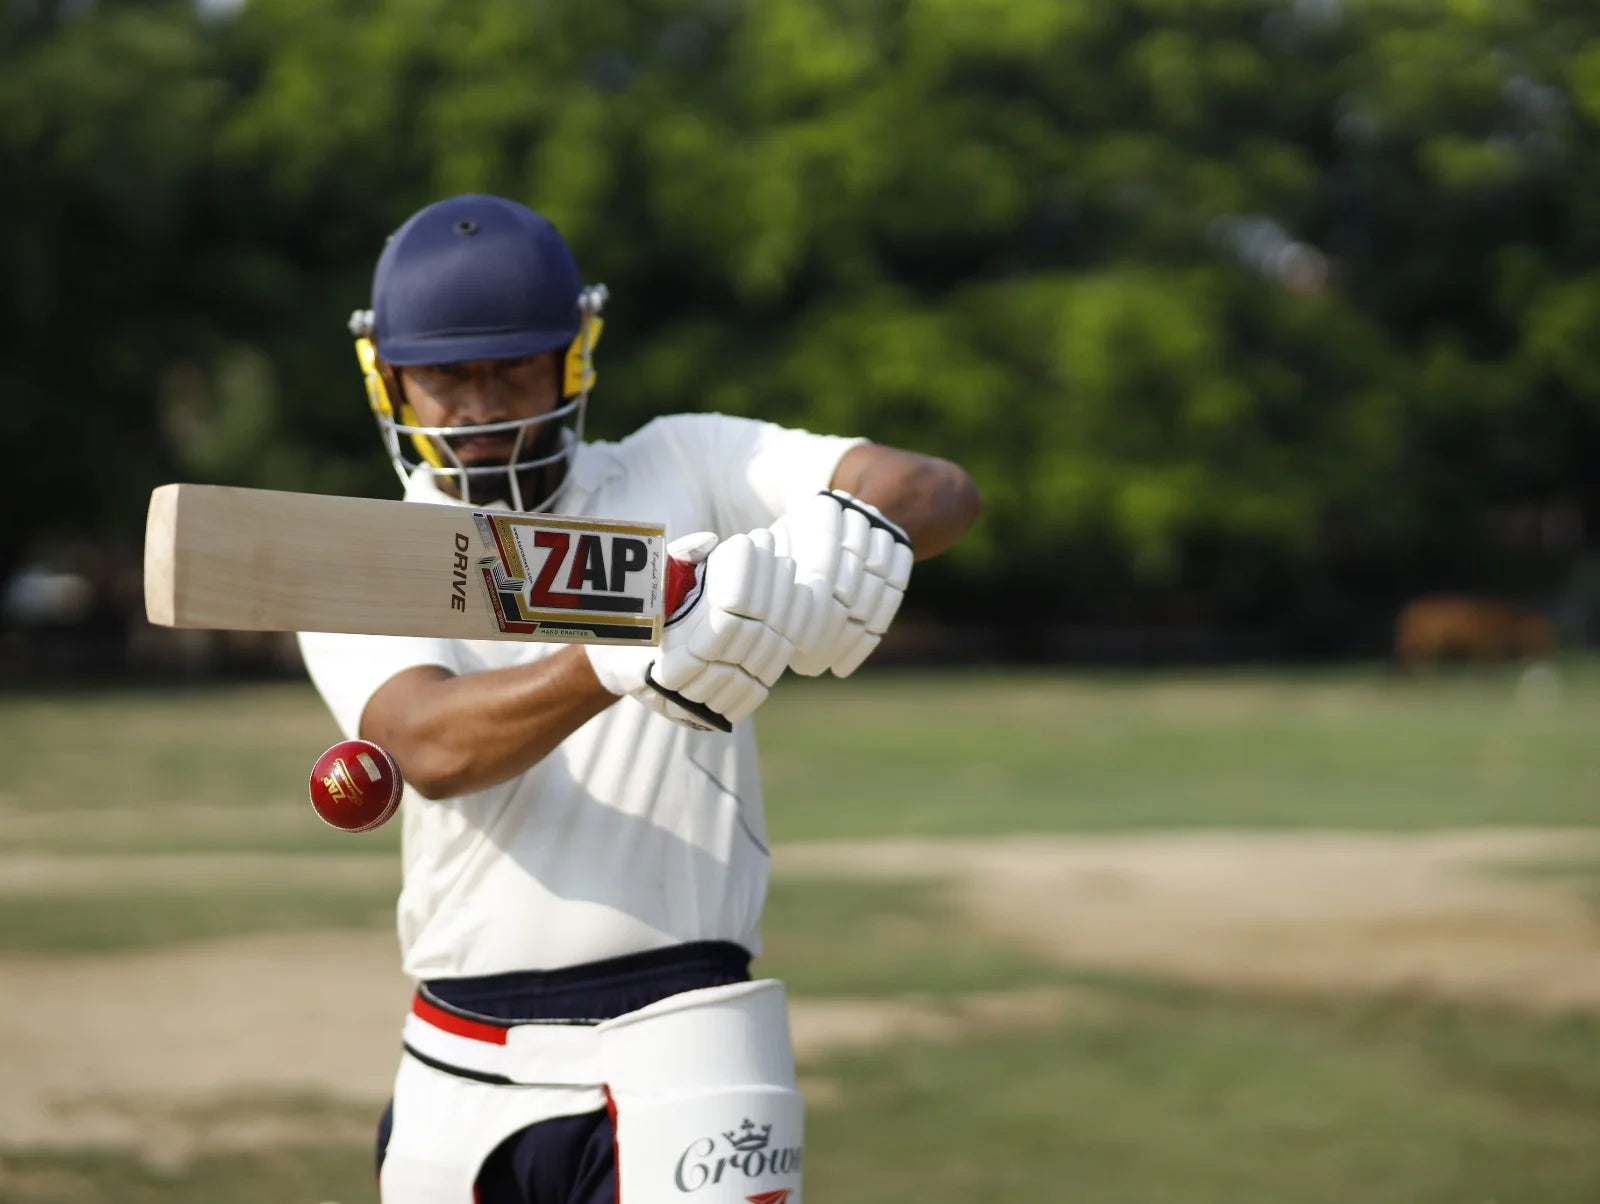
(732, 610)
(855, 563)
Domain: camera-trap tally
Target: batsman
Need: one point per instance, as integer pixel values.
(584, 848)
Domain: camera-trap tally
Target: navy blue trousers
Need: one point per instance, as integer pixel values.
(572, 1159)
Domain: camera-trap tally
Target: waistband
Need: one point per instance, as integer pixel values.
(593, 991)
(680, 1037)
(488, 1050)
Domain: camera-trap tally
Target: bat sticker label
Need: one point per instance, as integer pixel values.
(576, 578)
(458, 586)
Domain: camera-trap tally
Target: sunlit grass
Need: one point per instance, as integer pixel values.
(153, 916)
(908, 753)
(844, 936)
(1213, 1100)
(889, 753)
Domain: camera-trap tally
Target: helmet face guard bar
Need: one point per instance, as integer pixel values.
(438, 440)
(438, 458)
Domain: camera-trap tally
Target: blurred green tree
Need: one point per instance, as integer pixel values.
(1261, 312)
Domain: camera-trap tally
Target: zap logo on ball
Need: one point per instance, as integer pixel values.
(355, 786)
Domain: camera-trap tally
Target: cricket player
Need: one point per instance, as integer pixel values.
(585, 854)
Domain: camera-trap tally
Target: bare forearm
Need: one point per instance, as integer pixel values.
(452, 735)
(933, 499)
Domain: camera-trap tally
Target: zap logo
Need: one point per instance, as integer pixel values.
(576, 575)
(341, 784)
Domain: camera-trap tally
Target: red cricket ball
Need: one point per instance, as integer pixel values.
(356, 786)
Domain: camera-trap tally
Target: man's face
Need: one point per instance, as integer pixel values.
(481, 392)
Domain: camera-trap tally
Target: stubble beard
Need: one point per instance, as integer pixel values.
(535, 483)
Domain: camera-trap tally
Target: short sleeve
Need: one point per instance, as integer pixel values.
(348, 669)
(754, 471)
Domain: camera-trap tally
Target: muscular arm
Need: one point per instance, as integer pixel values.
(452, 735)
(933, 499)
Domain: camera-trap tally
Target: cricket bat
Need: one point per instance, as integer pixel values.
(263, 560)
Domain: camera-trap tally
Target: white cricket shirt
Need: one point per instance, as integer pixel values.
(635, 833)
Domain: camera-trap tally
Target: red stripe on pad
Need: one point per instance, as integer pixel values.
(461, 1027)
(616, 1141)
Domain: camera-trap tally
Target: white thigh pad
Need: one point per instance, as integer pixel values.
(701, 1087)
(703, 1093)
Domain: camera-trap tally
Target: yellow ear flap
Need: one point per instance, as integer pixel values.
(378, 399)
(423, 444)
(377, 395)
(579, 371)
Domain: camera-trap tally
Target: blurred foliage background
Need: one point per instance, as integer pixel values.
(1261, 314)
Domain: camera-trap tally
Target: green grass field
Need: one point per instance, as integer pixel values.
(1138, 1090)
(892, 753)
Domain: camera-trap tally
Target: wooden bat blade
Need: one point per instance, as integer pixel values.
(264, 560)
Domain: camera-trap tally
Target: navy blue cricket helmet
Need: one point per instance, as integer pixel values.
(478, 278)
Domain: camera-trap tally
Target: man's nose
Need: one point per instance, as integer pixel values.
(480, 399)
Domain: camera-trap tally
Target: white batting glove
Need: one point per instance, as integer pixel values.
(732, 610)
(855, 563)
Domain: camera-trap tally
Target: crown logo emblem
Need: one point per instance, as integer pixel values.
(747, 1138)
